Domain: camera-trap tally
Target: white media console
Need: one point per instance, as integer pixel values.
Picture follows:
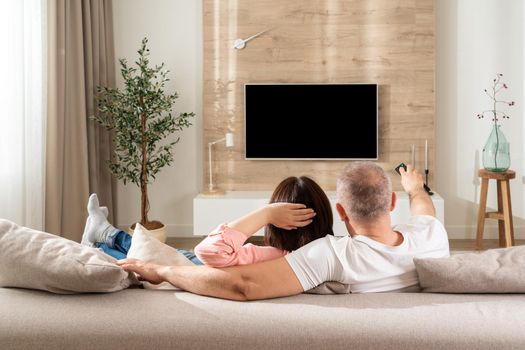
(210, 211)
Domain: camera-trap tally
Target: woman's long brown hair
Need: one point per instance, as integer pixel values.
(306, 191)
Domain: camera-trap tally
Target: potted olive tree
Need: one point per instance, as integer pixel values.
(140, 118)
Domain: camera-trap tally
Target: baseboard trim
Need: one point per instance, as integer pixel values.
(174, 230)
(490, 232)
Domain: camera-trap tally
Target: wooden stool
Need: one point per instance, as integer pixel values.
(504, 213)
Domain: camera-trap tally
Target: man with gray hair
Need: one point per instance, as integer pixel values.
(374, 257)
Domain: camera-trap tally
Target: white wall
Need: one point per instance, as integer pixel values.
(475, 40)
(174, 30)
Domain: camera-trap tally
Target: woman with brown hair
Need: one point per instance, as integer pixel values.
(299, 212)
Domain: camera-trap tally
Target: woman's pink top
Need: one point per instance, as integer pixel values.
(225, 247)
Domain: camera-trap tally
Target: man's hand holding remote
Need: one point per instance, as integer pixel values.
(411, 179)
(413, 183)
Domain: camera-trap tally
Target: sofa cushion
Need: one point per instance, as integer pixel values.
(330, 287)
(491, 271)
(146, 247)
(39, 260)
(31, 319)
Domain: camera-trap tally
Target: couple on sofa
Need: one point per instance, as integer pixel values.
(302, 252)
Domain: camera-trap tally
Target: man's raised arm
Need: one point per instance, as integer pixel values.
(420, 202)
(270, 279)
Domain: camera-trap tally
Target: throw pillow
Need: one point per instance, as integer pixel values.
(330, 287)
(146, 247)
(492, 271)
(39, 260)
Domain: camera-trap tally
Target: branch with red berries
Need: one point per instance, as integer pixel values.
(492, 93)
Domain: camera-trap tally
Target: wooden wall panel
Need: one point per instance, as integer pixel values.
(388, 42)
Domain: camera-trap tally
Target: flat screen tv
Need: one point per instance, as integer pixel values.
(311, 121)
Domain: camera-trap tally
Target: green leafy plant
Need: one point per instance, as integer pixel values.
(140, 117)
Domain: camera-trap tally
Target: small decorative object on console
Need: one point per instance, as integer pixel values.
(212, 189)
(496, 153)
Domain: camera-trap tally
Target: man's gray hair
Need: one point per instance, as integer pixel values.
(364, 190)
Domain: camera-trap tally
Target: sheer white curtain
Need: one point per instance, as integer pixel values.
(22, 110)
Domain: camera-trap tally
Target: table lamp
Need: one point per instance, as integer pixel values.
(229, 143)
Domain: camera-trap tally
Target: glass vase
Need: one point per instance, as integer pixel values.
(496, 153)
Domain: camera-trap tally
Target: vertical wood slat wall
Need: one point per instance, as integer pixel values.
(388, 42)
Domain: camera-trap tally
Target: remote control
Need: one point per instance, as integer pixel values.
(402, 165)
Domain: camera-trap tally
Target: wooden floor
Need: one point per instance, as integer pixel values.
(455, 244)
(468, 244)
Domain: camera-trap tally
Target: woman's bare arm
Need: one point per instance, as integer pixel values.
(284, 215)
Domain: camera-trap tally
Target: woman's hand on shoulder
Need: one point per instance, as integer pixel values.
(289, 216)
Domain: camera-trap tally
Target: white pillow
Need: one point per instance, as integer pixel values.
(39, 260)
(146, 247)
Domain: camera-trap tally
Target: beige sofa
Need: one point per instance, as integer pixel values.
(146, 319)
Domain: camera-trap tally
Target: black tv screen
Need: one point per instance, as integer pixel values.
(311, 121)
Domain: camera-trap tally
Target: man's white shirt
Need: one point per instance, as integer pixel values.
(367, 265)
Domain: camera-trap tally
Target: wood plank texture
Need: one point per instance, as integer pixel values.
(387, 42)
(481, 213)
(507, 213)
